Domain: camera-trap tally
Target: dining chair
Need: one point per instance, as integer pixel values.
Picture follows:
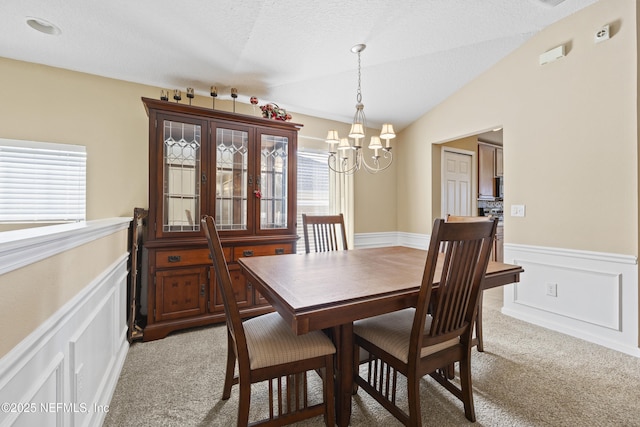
(328, 232)
(457, 218)
(420, 340)
(266, 349)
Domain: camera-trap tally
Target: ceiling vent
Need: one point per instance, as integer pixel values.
(550, 3)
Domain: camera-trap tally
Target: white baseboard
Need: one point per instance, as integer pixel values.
(65, 372)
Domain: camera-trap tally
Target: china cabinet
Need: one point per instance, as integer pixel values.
(241, 169)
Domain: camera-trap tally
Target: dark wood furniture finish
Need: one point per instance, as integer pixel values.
(285, 354)
(238, 168)
(438, 332)
(136, 242)
(333, 289)
(328, 232)
(456, 218)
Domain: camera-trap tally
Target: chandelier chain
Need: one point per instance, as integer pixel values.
(359, 93)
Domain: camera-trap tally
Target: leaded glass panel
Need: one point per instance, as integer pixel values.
(273, 181)
(231, 179)
(181, 155)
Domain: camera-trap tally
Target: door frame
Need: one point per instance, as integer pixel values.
(474, 178)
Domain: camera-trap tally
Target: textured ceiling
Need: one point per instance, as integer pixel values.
(295, 53)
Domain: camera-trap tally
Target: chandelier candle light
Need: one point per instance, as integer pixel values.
(344, 163)
(190, 94)
(234, 95)
(214, 95)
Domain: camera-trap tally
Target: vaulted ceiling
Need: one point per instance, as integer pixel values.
(295, 53)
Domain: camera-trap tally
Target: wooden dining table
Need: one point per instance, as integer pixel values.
(331, 290)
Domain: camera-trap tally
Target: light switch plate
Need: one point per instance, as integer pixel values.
(517, 210)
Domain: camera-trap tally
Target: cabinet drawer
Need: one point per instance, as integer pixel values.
(262, 250)
(178, 258)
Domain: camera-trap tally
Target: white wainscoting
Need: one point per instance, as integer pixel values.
(65, 372)
(596, 299)
(597, 293)
(375, 240)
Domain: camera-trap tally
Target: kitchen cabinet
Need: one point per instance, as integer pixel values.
(490, 166)
(498, 245)
(238, 168)
(499, 162)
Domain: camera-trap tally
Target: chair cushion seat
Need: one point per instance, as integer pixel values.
(270, 342)
(392, 332)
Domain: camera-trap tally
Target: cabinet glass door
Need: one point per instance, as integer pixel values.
(182, 144)
(273, 181)
(231, 178)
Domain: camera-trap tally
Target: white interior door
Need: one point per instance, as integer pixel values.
(457, 182)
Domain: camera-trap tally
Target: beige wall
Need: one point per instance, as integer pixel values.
(106, 115)
(570, 136)
(53, 105)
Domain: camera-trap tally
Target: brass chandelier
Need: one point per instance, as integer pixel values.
(346, 156)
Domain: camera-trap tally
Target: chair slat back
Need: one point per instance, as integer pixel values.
(223, 280)
(461, 218)
(467, 248)
(328, 232)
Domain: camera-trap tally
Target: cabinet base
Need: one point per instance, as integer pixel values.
(158, 331)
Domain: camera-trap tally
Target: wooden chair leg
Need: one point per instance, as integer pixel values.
(244, 401)
(465, 386)
(231, 366)
(479, 324)
(413, 397)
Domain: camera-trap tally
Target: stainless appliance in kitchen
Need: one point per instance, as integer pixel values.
(493, 207)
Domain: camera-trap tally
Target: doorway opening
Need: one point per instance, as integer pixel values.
(468, 179)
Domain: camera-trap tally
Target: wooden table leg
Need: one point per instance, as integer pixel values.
(480, 343)
(343, 336)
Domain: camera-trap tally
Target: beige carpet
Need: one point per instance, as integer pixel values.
(527, 376)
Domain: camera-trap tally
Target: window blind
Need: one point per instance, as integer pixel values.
(313, 188)
(42, 182)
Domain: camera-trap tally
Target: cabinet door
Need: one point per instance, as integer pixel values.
(499, 162)
(259, 299)
(178, 190)
(234, 178)
(486, 159)
(275, 183)
(180, 293)
(241, 291)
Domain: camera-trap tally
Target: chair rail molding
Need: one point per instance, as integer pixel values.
(19, 248)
